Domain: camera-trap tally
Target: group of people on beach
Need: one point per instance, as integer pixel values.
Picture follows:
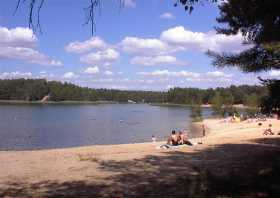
(179, 138)
(269, 131)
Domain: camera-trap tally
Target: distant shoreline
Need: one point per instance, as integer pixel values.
(56, 102)
(172, 104)
(238, 106)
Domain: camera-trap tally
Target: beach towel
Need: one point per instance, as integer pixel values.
(167, 146)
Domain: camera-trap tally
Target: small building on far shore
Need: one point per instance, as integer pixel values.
(131, 101)
(46, 98)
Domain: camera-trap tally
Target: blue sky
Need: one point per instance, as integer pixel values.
(147, 45)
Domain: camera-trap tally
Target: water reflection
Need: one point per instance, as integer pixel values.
(25, 127)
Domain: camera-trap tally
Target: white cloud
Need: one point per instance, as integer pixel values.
(17, 37)
(123, 81)
(85, 46)
(201, 41)
(119, 87)
(218, 74)
(155, 73)
(46, 75)
(92, 70)
(180, 39)
(108, 73)
(27, 54)
(166, 15)
(19, 44)
(167, 73)
(274, 73)
(143, 46)
(221, 2)
(15, 75)
(156, 60)
(129, 3)
(169, 86)
(106, 57)
(103, 80)
(146, 81)
(69, 75)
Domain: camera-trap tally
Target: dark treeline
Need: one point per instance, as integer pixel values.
(243, 94)
(36, 89)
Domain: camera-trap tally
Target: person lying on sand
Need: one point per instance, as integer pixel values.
(173, 139)
(268, 131)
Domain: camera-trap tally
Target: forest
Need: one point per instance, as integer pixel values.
(36, 89)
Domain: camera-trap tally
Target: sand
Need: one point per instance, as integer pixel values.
(134, 170)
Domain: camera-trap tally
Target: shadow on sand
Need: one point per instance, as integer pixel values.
(229, 170)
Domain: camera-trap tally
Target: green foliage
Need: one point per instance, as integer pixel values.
(33, 90)
(271, 102)
(196, 113)
(252, 101)
(185, 95)
(217, 104)
(258, 20)
(22, 89)
(190, 4)
(259, 23)
(255, 59)
(222, 103)
(36, 89)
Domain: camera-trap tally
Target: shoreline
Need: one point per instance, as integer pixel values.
(238, 106)
(213, 130)
(56, 102)
(210, 125)
(196, 126)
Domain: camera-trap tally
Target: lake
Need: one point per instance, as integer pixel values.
(45, 126)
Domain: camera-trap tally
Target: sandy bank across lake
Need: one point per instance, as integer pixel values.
(139, 170)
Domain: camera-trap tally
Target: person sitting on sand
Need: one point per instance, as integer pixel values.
(268, 131)
(235, 118)
(183, 139)
(173, 139)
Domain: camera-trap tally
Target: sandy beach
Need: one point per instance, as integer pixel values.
(231, 152)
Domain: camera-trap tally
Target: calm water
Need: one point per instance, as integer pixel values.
(37, 126)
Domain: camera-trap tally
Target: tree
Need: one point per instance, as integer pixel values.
(196, 113)
(35, 7)
(259, 23)
(36, 89)
(271, 102)
(252, 102)
(217, 104)
(190, 4)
